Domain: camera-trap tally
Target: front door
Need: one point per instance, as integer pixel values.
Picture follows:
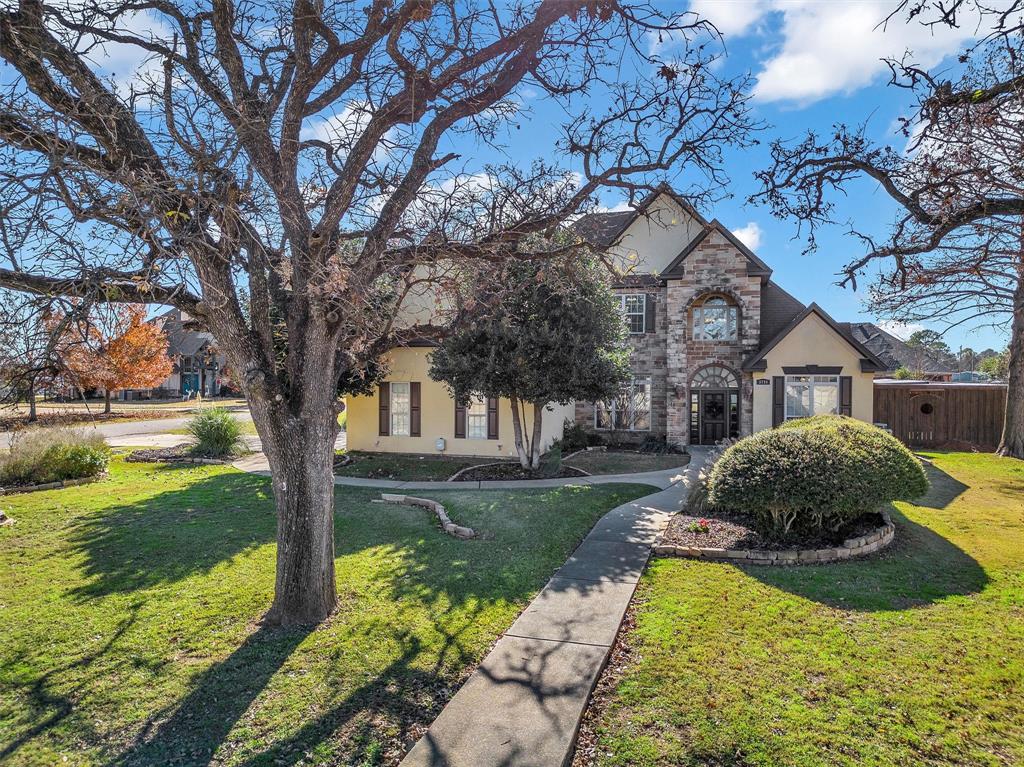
(713, 417)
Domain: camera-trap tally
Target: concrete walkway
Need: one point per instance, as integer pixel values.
(522, 706)
(256, 463)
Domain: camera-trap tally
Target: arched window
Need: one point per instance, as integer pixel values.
(714, 405)
(715, 318)
(714, 377)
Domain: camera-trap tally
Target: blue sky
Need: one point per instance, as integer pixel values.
(815, 63)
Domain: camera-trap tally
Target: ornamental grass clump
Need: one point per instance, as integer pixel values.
(41, 456)
(814, 474)
(217, 433)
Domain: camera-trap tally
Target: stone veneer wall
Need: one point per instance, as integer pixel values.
(714, 266)
(648, 360)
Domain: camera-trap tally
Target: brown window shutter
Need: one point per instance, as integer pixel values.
(460, 421)
(384, 409)
(492, 418)
(846, 395)
(414, 409)
(778, 400)
(650, 313)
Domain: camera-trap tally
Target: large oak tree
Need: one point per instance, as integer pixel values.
(294, 176)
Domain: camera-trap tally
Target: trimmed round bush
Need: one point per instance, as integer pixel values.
(217, 433)
(815, 473)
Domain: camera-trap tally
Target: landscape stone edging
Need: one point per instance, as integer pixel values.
(52, 485)
(447, 525)
(860, 546)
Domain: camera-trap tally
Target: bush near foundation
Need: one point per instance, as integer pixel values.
(40, 456)
(814, 474)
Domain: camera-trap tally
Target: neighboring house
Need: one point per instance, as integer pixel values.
(719, 350)
(198, 369)
(896, 354)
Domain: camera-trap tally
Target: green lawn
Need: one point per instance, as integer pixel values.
(129, 618)
(619, 462)
(914, 657)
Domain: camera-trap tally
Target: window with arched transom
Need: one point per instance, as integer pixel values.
(715, 318)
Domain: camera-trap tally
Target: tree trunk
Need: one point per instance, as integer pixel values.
(300, 449)
(32, 415)
(106, 400)
(1012, 442)
(517, 433)
(538, 414)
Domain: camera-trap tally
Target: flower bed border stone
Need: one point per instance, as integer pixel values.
(869, 543)
(52, 485)
(458, 531)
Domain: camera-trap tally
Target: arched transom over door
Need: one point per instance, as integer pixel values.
(714, 405)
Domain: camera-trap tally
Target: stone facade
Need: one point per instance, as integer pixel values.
(714, 266)
(649, 359)
(670, 356)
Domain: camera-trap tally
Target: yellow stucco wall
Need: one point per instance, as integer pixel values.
(437, 417)
(813, 342)
(654, 239)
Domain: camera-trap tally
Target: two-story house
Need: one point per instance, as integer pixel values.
(719, 350)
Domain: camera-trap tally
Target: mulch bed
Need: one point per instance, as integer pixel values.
(735, 531)
(181, 453)
(506, 471)
(79, 418)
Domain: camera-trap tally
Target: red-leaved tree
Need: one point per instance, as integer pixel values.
(117, 349)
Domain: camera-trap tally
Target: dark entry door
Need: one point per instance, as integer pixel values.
(713, 417)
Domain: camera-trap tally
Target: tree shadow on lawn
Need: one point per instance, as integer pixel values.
(918, 568)
(166, 537)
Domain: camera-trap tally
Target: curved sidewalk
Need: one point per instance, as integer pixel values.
(257, 464)
(523, 705)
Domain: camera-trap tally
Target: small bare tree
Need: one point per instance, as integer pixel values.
(955, 252)
(289, 174)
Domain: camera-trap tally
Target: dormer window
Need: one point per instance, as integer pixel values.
(715, 318)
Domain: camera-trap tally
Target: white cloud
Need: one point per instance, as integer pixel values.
(731, 18)
(828, 47)
(902, 330)
(343, 128)
(749, 235)
(129, 64)
(833, 48)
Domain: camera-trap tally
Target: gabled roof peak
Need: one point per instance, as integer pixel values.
(606, 228)
(755, 266)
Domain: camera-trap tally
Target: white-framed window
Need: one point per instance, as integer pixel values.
(401, 409)
(476, 418)
(629, 411)
(634, 311)
(811, 395)
(715, 319)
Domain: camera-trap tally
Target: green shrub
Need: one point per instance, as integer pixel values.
(343, 419)
(697, 502)
(815, 473)
(576, 437)
(217, 433)
(40, 456)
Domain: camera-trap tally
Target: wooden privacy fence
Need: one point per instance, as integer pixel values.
(935, 414)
